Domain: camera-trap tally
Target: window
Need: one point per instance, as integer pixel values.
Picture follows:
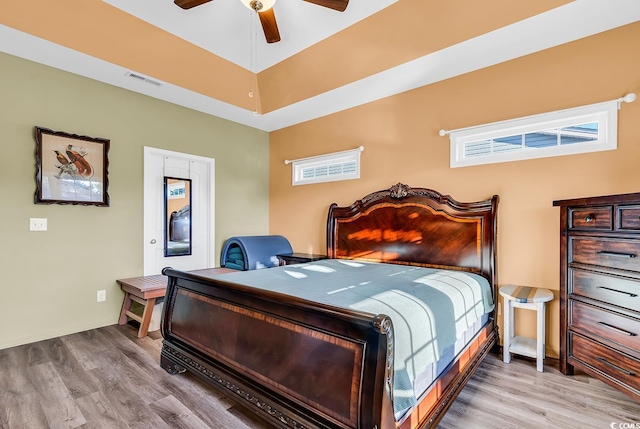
(327, 168)
(565, 132)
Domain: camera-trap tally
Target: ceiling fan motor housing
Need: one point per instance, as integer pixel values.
(256, 5)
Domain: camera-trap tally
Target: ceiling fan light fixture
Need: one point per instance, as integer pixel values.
(259, 5)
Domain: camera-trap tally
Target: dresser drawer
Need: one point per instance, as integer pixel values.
(614, 365)
(629, 217)
(600, 218)
(614, 290)
(620, 253)
(611, 326)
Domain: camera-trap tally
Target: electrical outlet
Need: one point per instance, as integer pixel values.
(102, 295)
(37, 224)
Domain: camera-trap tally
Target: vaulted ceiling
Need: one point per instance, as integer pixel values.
(210, 58)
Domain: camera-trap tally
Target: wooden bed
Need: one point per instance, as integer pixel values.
(303, 364)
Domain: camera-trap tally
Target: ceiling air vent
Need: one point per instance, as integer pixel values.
(142, 78)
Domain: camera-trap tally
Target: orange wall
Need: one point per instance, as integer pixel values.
(406, 30)
(400, 136)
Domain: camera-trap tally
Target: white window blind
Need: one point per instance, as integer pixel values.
(326, 168)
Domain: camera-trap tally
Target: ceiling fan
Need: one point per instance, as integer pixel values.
(264, 9)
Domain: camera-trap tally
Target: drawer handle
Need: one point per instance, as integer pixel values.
(615, 328)
(618, 255)
(589, 218)
(604, 361)
(631, 295)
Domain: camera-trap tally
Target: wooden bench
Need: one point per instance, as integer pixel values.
(146, 290)
(143, 290)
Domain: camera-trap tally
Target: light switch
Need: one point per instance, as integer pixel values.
(37, 224)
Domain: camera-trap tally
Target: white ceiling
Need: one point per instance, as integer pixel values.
(229, 29)
(575, 20)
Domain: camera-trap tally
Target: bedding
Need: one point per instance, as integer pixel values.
(430, 309)
(428, 378)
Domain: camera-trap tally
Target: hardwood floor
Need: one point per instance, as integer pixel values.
(515, 395)
(109, 378)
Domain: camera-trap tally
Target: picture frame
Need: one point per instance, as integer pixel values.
(71, 169)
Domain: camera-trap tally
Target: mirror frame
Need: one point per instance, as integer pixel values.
(173, 216)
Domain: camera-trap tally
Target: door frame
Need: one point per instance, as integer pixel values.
(148, 202)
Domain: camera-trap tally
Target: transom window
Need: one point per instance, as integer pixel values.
(326, 168)
(565, 132)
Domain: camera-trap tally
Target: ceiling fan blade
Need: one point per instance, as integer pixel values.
(339, 5)
(188, 4)
(269, 25)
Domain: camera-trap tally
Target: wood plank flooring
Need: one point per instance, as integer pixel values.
(108, 378)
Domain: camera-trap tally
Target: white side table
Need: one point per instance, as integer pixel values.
(529, 298)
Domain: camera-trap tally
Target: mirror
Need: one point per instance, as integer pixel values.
(177, 216)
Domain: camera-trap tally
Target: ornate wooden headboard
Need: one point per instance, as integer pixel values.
(416, 226)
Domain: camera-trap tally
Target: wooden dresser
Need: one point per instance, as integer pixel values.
(600, 289)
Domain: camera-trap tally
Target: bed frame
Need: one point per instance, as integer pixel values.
(301, 364)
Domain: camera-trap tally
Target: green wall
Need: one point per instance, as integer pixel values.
(49, 279)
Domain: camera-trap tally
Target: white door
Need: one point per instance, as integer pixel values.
(159, 164)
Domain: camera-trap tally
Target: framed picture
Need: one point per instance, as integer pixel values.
(71, 169)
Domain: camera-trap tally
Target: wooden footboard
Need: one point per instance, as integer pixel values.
(297, 364)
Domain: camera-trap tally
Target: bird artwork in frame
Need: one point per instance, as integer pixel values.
(71, 169)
